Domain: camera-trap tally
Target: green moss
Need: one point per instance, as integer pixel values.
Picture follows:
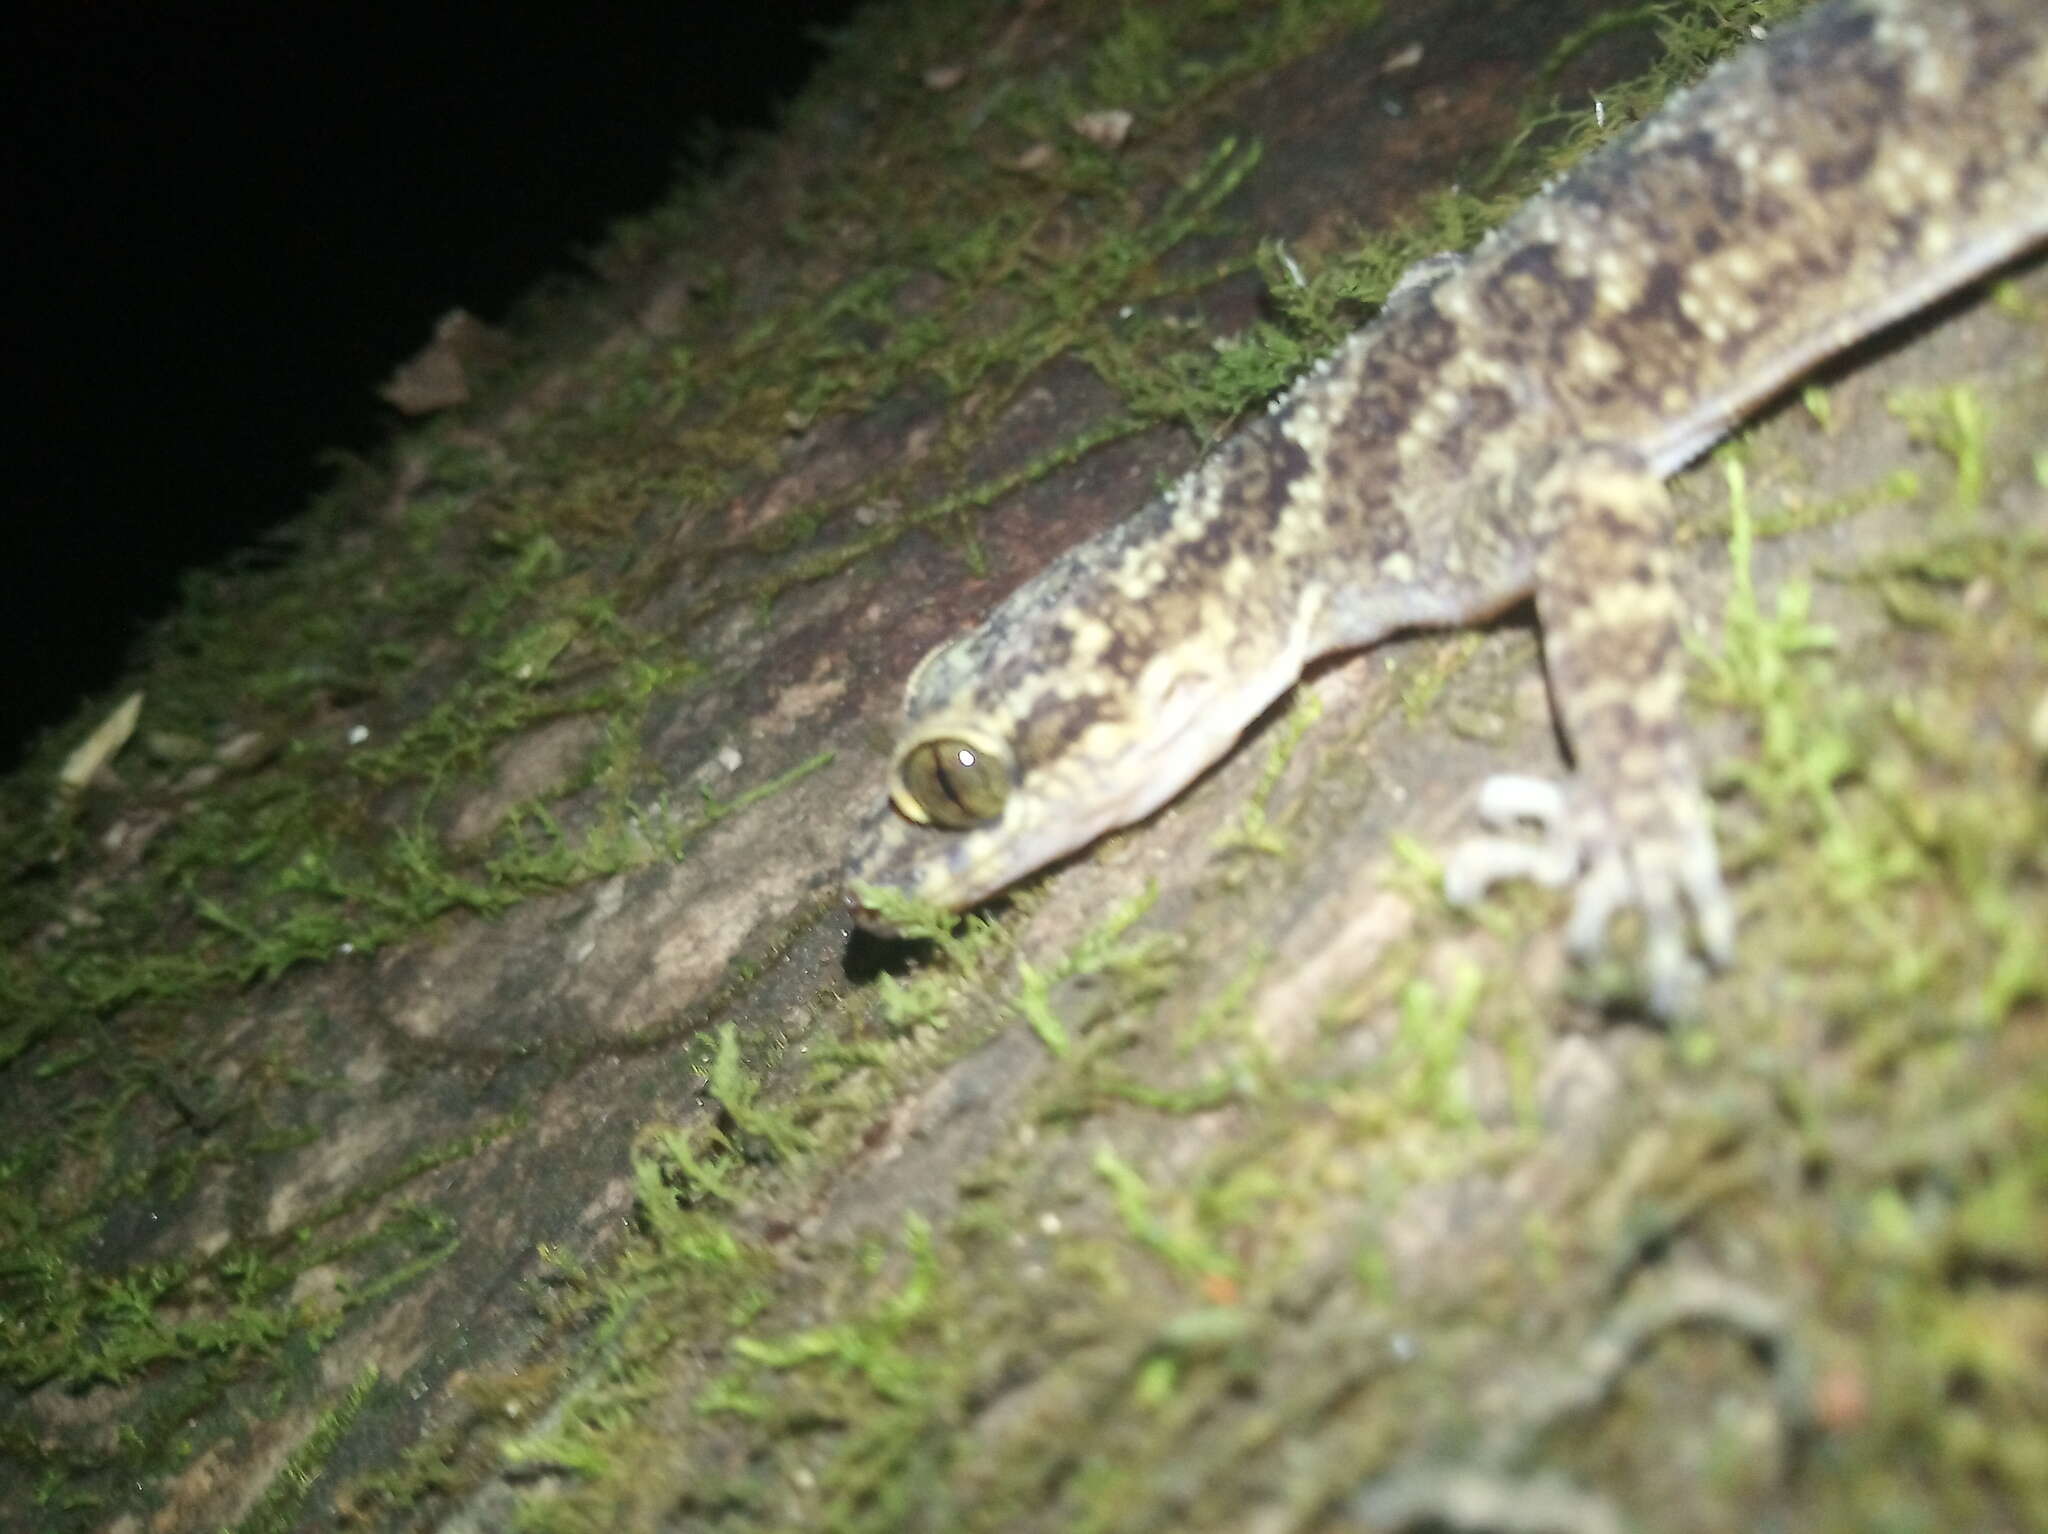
(1952, 420)
(1254, 831)
(1179, 1240)
(281, 1506)
(1431, 1046)
(1140, 965)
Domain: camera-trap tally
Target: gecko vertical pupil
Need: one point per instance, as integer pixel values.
(956, 784)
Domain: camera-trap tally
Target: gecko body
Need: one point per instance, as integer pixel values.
(1502, 429)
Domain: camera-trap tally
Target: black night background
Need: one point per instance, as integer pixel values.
(230, 223)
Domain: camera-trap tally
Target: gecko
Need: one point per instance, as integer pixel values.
(1502, 430)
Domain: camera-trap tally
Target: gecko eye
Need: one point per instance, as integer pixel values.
(952, 783)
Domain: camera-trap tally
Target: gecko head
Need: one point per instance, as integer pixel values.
(1010, 759)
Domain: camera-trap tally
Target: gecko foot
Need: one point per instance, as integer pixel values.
(1657, 856)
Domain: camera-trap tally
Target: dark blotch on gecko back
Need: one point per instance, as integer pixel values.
(1657, 311)
(1529, 294)
(1427, 340)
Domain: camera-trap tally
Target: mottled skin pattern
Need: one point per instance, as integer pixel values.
(1504, 429)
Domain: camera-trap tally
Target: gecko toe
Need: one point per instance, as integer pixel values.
(1480, 862)
(1512, 798)
(1713, 912)
(1507, 801)
(1603, 889)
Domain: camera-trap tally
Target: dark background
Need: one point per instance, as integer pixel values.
(230, 223)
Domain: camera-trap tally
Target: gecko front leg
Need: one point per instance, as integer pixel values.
(1631, 828)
